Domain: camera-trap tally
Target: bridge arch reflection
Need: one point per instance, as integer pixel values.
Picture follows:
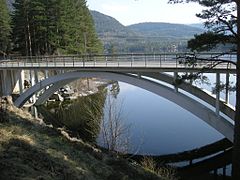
(219, 123)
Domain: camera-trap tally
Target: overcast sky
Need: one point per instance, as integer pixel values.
(135, 11)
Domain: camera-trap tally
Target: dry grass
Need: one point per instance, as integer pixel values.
(165, 172)
(31, 150)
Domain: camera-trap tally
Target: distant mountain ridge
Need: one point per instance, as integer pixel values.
(104, 23)
(165, 29)
(107, 24)
(142, 37)
(197, 25)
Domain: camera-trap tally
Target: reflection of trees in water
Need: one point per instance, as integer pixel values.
(91, 116)
(82, 118)
(115, 132)
(115, 89)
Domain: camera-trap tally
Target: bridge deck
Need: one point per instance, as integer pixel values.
(152, 62)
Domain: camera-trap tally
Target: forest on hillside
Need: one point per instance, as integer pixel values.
(143, 37)
(40, 27)
(148, 37)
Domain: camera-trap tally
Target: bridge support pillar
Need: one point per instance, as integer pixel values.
(34, 111)
(36, 76)
(138, 75)
(20, 82)
(227, 89)
(46, 74)
(4, 84)
(175, 76)
(191, 79)
(217, 93)
(32, 79)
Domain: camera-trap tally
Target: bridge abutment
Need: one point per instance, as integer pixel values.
(11, 82)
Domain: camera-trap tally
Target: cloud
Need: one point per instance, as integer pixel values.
(124, 87)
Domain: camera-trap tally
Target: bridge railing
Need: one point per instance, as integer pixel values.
(162, 60)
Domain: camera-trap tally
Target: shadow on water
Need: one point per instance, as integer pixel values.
(81, 117)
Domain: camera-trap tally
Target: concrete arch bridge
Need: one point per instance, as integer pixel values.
(145, 71)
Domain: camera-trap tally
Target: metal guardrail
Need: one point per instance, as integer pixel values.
(162, 60)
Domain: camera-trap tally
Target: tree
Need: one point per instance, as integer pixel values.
(222, 18)
(39, 27)
(5, 28)
(35, 26)
(76, 29)
(54, 26)
(21, 27)
(115, 133)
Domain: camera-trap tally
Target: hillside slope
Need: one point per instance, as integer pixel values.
(165, 30)
(107, 25)
(142, 37)
(31, 150)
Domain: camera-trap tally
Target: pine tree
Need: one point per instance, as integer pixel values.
(38, 27)
(79, 35)
(54, 26)
(21, 27)
(5, 28)
(94, 45)
(53, 8)
(31, 27)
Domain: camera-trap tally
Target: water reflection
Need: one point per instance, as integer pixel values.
(81, 118)
(115, 134)
(158, 126)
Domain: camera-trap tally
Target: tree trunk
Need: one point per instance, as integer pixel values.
(29, 38)
(236, 144)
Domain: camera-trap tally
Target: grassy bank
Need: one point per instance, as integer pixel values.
(31, 150)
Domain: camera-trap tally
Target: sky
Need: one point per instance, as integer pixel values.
(135, 11)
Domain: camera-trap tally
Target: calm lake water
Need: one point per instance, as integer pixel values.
(158, 126)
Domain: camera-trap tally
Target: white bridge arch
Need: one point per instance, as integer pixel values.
(219, 123)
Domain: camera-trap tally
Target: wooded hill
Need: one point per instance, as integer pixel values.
(144, 37)
(165, 30)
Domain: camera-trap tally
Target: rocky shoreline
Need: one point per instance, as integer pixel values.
(73, 91)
